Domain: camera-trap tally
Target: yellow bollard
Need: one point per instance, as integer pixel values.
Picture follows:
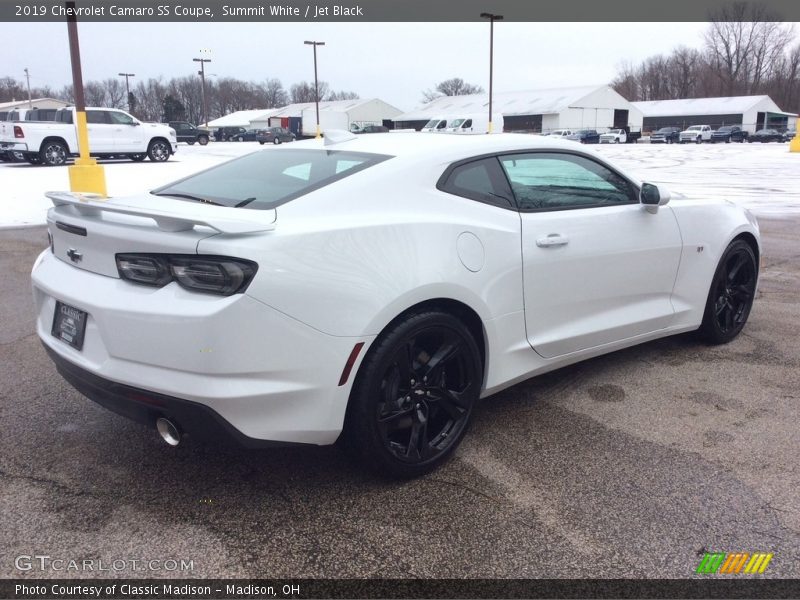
(86, 175)
(794, 144)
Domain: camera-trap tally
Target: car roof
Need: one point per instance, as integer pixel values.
(446, 146)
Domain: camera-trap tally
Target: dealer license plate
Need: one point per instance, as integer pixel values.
(69, 325)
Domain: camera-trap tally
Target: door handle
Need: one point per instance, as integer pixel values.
(554, 239)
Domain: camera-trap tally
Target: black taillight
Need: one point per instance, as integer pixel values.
(219, 275)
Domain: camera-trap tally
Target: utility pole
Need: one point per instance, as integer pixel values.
(316, 81)
(28, 78)
(202, 73)
(492, 18)
(85, 175)
(127, 87)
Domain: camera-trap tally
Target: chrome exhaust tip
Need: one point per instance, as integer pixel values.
(168, 431)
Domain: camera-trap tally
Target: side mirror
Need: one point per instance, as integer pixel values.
(652, 196)
(135, 123)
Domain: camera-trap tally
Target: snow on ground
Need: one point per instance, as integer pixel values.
(762, 177)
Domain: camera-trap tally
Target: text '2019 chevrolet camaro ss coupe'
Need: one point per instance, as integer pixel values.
(373, 288)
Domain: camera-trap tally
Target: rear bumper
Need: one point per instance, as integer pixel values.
(143, 406)
(13, 146)
(268, 376)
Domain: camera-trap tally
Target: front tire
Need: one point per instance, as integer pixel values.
(202, 140)
(413, 396)
(731, 295)
(53, 154)
(276, 140)
(158, 151)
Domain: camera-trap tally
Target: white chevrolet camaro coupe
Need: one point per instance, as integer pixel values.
(374, 287)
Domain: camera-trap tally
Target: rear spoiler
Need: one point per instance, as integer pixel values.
(172, 215)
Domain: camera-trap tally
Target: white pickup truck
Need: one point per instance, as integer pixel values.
(112, 133)
(614, 136)
(696, 133)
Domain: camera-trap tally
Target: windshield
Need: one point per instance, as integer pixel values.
(665, 130)
(268, 178)
(725, 129)
(457, 123)
(431, 124)
(695, 128)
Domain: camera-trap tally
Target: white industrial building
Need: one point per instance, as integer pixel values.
(587, 107)
(301, 118)
(242, 118)
(6, 107)
(750, 112)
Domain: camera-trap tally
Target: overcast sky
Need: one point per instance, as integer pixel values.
(391, 61)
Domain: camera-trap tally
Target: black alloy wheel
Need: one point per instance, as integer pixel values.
(732, 293)
(413, 396)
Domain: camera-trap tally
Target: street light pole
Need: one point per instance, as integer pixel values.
(492, 18)
(28, 78)
(316, 81)
(127, 87)
(202, 73)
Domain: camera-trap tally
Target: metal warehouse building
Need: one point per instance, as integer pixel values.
(586, 107)
(6, 107)
(750, 112)
(336, 114)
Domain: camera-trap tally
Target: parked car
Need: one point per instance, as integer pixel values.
(729, 133)
(112, 133)
(297, 267)
(274, 135)
(766, 135)
(665, 135)
(585, 136)
(614, 136)
(186, 132)
(557, 133)
(373, 129)
(696, 133)
(789, 134)
(229, 134)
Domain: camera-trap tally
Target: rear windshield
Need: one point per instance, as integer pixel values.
(268, 178)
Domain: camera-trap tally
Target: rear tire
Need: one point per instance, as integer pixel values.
(53, 154)
(731, 295)
(413, 396)
(137, 157)
(191, 143)
(276, 140)
(202, 140)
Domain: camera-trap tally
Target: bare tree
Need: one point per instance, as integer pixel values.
(304, 91)
(451, 87)
(743, 42)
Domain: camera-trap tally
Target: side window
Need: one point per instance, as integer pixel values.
(479, 180)
(96, 117)
(118, 118)
(441, 125)
(555, 181)
(467, 124)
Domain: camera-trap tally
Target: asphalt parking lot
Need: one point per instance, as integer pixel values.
(628, 465)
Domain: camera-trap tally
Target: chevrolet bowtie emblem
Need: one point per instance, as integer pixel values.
(74, 255)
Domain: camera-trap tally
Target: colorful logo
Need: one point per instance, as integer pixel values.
(724, 563)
